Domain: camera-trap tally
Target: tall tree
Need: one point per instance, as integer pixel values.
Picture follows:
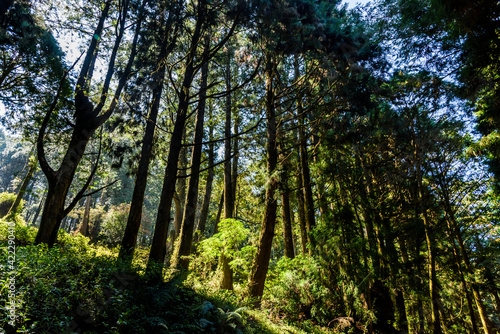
(203, 16)
(167, 42)
(190, 207)
(87, 119)
(261, 262)
(282, 21)
(202, 223)
(229, 186)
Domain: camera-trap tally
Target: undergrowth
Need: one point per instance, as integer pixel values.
(76, 287)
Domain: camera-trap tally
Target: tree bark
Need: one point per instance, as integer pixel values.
(234, 172)
(24, 186)
(177, 216)
(227, 272)
(228, 188)
(38, 210)
(84, 230)
(456, 235)
(285, 208)
(136, 206)
(186, 235)
(301, 209)
(431, 250)
(158, 246)
(208, 188)
(304, 168)
(87, 120)
(219, 213)
(54, 209)
(261, 262)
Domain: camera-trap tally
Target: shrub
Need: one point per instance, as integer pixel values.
(113, 225)
(296, 293)
(232, 233)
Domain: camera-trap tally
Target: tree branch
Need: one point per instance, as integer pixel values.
(80, 195)
(44, 165)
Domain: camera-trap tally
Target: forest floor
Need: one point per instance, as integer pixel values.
(76, 287)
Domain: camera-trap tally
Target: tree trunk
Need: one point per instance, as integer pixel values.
(304, 168)
(261, 262)
(136, 206)
(227, 272)
(228, 188)
(455, 230)
(177, 216)
(24, 186)
(219, 213)
(301, 210)
(87, 120)
(285, 209)
(181, 183)
(38, 210)
(84, 229)
(431, 251)
(320, 186)
(208, 188)
(59, 183)
(234, 172)
(158, 246)
(186, 235)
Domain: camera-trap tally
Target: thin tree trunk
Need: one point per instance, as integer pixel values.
(186, 235)
(158, 246)
(431, 251)
(234, 172)
(210, 179)
(136, 206)
(219, 213)
(177, 216)
(261, 262)
(301, 210)
(304, 214)
(468, 266)
(38, 210)
(227, 272)
(228, 188)
(181, 184)
(304, 168)
(320, 186)
(24, 186)
(84, 229)
(285, 209)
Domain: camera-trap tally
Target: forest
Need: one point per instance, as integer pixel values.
(249, 166)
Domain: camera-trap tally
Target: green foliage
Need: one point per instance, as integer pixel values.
(298, 292)
(6, 201)
(295, 291)
(75, 287)
(228, 241)
(24, 235)
(113, 224)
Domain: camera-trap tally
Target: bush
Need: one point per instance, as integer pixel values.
(24, 235)
(232, 233)
(296, 293)
(113, 225)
